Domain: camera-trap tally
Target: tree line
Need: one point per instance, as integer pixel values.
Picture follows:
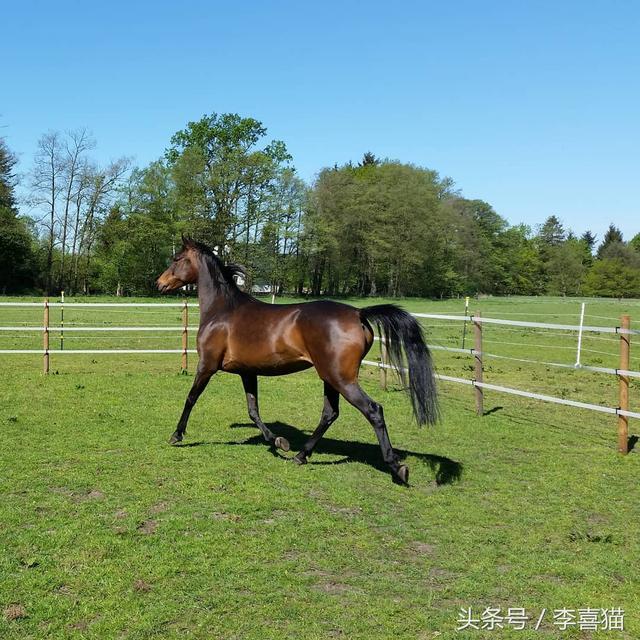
(376, 227)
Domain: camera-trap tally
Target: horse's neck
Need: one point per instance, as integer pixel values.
(211, 299)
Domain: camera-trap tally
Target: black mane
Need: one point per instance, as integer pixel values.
(222, 275)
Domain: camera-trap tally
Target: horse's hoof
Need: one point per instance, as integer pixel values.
(282, 443)
(301, 458)
(403, 474)
(175, 438)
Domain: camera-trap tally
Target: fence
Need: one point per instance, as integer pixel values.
(477, 352)
(623, 373)
(46, 330)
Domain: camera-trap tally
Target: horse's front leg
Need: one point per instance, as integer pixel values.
(250, 384)
(203, 375)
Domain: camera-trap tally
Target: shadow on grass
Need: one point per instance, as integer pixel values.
(492, 410)
(446, 470)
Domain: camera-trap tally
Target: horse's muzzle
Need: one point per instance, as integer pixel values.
(166, 285)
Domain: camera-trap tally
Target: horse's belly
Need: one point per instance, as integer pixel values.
(267, 368)
(283, 369)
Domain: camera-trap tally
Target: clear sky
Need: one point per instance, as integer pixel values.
(532, 106)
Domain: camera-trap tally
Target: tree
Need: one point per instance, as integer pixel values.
(221, 176)
(102, 187)
(477, 230)
(131, 251)
(589, 239)
(621, 251)
(46, 185)
(522, 267)
(613, 235)
(73, 176)
(566, 268)
(551, 233)
(612, 278)
(368, 159)
(375, 228)
(16, 254)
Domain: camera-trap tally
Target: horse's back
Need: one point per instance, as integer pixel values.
(279, 339)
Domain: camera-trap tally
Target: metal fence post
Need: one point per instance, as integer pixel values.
(623, 421)
(45, 336)
(384, 359)
(477, 352)
(580, 335)
(185, 336)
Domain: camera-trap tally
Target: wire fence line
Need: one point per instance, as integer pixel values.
(624, 334)
(574, 367)
(525, 394)
(524, 323)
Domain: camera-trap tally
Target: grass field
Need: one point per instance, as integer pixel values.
(108, 532)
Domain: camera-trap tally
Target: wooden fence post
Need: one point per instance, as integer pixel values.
(477, 330)
(45, 336)
(623, 421)
(185, 336)
(384, 359)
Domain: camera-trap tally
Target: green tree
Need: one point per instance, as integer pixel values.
(621, 251)
(552, 232)
(520, 262)
(612, 278)
(634, 243)
(566, 267)
(17, 264)
(220, 174)
(375, 229)
(477, 230)
(368, 159)
(131, 251)
(589, 239)
(613, 235)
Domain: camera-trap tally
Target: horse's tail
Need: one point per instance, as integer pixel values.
(401, 332)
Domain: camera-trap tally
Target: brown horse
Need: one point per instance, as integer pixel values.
(242, 335)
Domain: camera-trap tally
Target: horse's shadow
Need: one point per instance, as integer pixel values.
(446, 470)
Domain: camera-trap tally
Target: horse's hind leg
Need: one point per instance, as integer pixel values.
(203, 375)
(250, 384)
(372, 411)
(329, 415)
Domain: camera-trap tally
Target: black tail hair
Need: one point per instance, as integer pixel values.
(401, 332)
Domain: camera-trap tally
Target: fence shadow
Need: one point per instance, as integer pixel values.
(445, 469)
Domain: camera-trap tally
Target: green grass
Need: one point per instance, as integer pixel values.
(108, 532)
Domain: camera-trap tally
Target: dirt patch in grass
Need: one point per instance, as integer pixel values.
(91, 494)
(83, 624)
(334, 588)
(14, 612)
(141, 586)
(80, 625)
(421, 549)
(349, 512)
(159, 507)
(221, 515)
(148, 527)
(331, 583)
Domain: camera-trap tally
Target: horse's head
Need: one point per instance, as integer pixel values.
(182, 270)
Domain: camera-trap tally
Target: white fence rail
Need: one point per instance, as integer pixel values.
(623, 372)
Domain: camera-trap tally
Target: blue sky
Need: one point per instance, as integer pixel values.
(531, 106)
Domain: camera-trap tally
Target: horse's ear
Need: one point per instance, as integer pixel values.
(186, 241)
